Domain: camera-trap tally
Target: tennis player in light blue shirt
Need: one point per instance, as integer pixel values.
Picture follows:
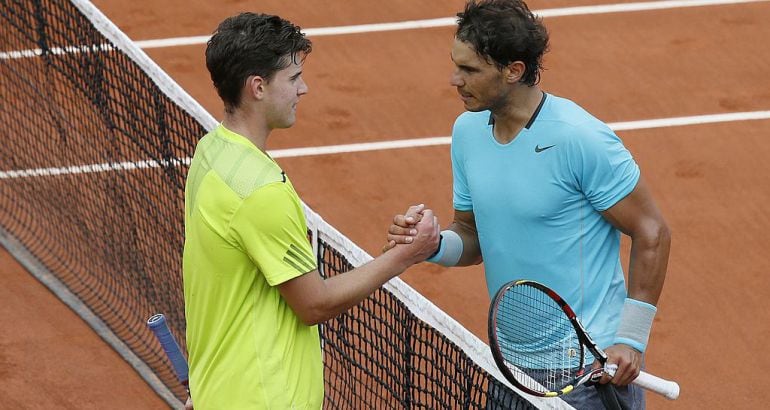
(537, 202)
(543, 190)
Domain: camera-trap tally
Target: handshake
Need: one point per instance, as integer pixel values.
(415, 235)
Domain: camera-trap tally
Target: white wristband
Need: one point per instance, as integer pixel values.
(449, 251)
(635, 324)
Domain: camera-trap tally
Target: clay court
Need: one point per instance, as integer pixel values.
(711, 179)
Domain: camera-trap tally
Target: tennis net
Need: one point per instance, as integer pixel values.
(92, 172)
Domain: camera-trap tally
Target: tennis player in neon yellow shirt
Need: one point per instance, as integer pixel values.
(253, 295)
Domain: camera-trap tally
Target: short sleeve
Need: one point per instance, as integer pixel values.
(605, 170)
(461, 195)
(270, 227)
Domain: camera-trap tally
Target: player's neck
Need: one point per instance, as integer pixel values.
(511, 118)
(253, 127)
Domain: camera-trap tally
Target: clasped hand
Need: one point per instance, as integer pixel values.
(417, 226)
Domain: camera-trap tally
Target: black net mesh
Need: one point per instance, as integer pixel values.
(379, 355)
(90, 187)
(92, 173)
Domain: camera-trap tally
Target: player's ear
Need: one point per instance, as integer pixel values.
(255, 87)
(514, 72)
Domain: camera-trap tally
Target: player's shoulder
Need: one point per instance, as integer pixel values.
(204, 143)
(239, 164)
(566, 111)
(563, 117)
(253, 174)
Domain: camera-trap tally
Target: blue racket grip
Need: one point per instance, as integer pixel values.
(157, 324)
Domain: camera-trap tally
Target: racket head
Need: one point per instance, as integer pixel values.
(533, 340)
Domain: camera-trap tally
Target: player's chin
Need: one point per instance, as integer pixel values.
(473, 106)
(287, 122)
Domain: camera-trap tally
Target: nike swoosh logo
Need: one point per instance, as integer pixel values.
(538, 149)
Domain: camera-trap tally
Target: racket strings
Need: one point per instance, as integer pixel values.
(537, 340)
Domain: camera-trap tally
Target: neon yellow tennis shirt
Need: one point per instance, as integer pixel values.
(245, 233)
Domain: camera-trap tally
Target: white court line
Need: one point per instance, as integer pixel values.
(403, 25)
(374, 146)
(423, 142)
(451, 21)
(92, 168)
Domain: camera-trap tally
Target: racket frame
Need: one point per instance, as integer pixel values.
(666, 388)
(585, 342)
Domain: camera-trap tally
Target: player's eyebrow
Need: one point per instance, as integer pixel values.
(464, 67)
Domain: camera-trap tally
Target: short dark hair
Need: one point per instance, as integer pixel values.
(251, 44)
(505, 31)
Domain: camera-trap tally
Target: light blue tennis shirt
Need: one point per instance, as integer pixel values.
(537, 203)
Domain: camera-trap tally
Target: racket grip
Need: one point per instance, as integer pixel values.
(666, 388)
(157, 323)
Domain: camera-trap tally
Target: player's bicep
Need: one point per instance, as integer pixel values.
(605, 171)
(303, 293)
(636, 214)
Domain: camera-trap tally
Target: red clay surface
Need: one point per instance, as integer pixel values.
(711, 181)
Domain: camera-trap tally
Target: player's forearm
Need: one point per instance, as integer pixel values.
(650, 244)
(341, 292)
(471, 249)
(648, 262)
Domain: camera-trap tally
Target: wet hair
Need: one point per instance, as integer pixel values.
(505, 31)
(251, 44)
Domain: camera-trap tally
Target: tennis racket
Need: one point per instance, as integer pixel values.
(539, 344)
(157, 323)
